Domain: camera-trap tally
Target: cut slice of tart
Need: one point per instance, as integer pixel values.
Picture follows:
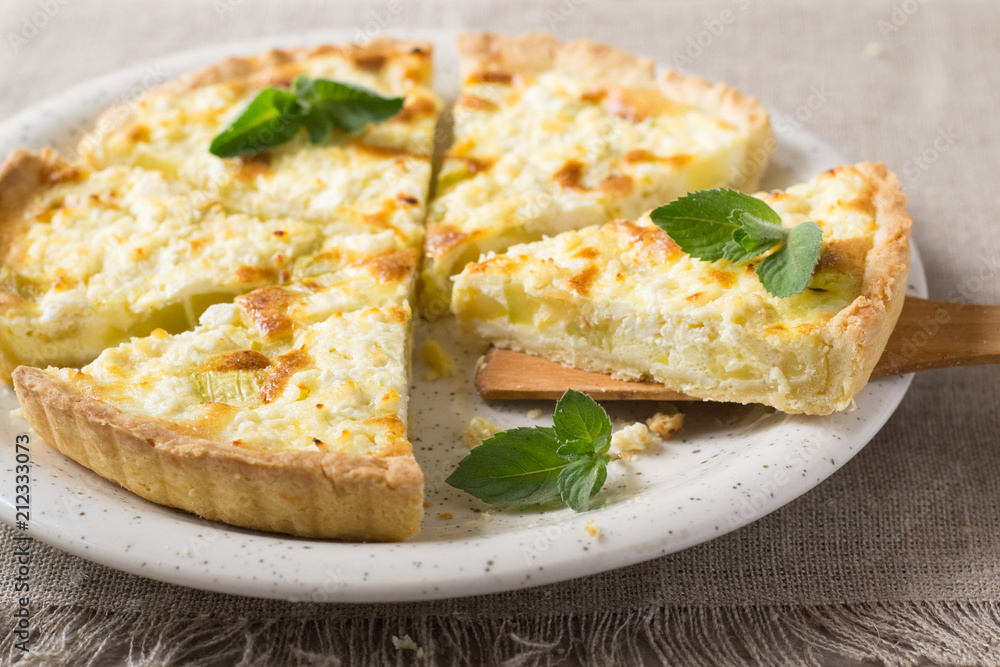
(90, 258)
(379, 176)
(550, 137)
(623, 299)
(284, 411)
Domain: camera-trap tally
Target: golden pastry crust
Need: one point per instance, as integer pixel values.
(858, 334)
(310, 494)
(534, 53)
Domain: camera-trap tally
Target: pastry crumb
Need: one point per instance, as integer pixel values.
(665, 425)
(633, 438)
(486, 517)
(593, 530)
(479, 429)
(442, 364)
(534, 414)
(444, 516)
(426, 505)
(875, 50)
(404, 643)
(480, 361)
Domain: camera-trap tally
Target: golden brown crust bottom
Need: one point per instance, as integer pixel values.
(858, 333)
(310, 494)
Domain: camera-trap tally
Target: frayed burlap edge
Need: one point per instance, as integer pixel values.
(952, 633)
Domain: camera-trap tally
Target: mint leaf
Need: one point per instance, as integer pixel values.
(271, 119)
(699, 222)
(789, 270)
(518, 465)
(352, 108)
(535, 465)
(318, 124)
(321, 105)
(758, 228)
(581, 479)
(743, 247)
(582, 426)
(725, 224)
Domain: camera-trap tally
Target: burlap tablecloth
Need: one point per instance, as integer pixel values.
(895, 558)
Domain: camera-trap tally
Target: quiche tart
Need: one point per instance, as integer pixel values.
(284, 411)
(623, 299)
(550, 137)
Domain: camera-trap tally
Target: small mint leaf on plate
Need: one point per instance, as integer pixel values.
(581, 425)
(519, 465)
(581, 479)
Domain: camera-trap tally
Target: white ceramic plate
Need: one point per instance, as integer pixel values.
(729, 466)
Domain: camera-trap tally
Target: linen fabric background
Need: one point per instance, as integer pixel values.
(896, 558)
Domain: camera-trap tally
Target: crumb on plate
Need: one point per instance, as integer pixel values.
(633, 438)
(442, 364)
(593, 530)
(666, 425)
(444, 516)
(479, 429)
(534, 414)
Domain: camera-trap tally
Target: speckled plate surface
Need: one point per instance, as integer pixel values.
(730, 465)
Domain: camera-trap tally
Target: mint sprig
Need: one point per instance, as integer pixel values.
(566, 461)
(724, 224)
(322, 106)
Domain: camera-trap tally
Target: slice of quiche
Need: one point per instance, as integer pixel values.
(284, 411)
(623, 299)
(550, 137)
(90, 258)
(378, 177)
